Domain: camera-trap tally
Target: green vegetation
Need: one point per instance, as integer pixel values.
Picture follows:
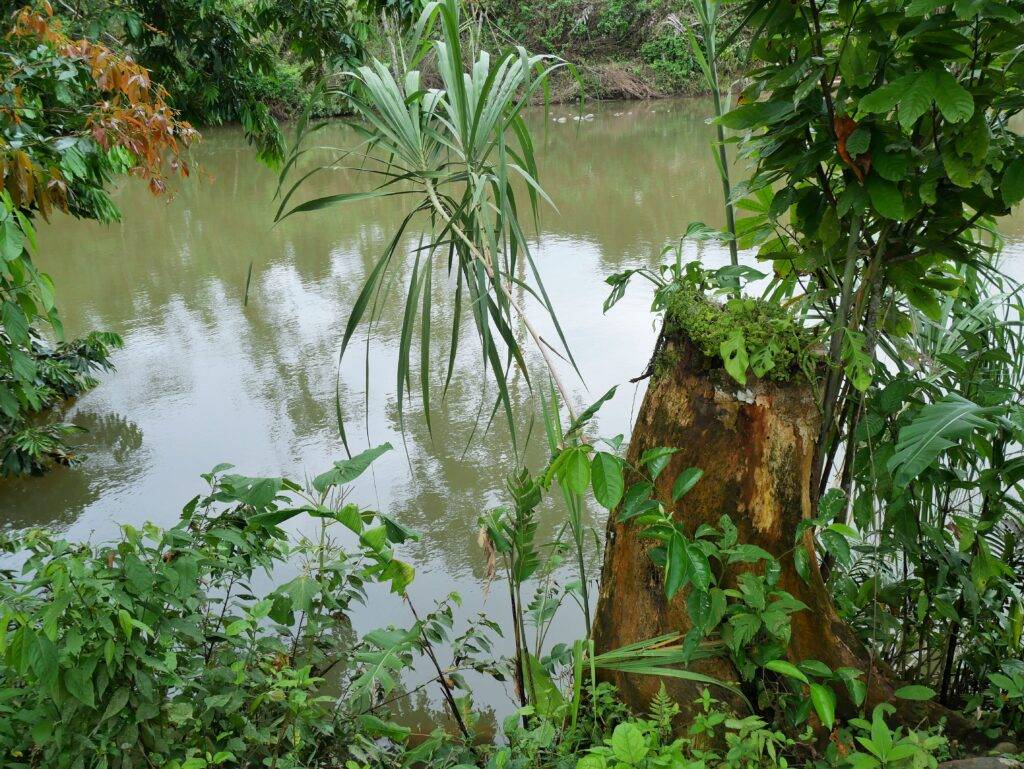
(745, 334)
(162, 649)
(74, 115)
(247, 62)
(670, 57)
(622, 48)
(739, 330)
(882, 149)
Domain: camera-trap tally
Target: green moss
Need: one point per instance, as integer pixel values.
(774, 340)
(664, 361)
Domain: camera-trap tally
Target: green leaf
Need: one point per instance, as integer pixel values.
(400, 574)
(255, 492)
(756, 115)
(698, 568)
(675, 565)
(116, 703)
(885, 98)
(656, 459)
(935, 428)
(858, 142)
(1013, 182)
(15, 323)
(302, 590)
(574, 473)
(836, 544)
(961, 169)
(12, 241)
(924, 299)
(237, 627)
(734, 354)
(628, 743)
(637, 500)
(890, 165)
(685, 481)
(824, 701)
(375, 727)
(921, 7)
(589, 412)
(953, 100)
(915, 692)
(544, 695)
(885, 198)
(915, 99)
(78, 682)
(348, 470)
(857, 363)
(607, 479)
(787, 669)
(858, 690)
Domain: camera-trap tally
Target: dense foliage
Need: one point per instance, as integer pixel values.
(74, 115)
(870, 258)
(163, 648)
(154, 650)
(622, 48)
(880, 134)
(226, 61)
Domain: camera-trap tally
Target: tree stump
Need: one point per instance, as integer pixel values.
(756, 446)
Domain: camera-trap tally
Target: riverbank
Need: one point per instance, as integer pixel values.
(616, 50)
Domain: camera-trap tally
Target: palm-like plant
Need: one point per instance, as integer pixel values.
(463, 154)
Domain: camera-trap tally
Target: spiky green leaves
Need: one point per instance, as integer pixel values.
(456, 150)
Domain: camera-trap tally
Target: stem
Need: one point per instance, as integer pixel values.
(723, 161)
(440, 674)
(836, 343)
(947, 666)
(520, 684)
(576, 522)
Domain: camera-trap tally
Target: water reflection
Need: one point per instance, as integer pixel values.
(205, 378)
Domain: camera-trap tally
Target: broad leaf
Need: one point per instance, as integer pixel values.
(606, 478)
(347, 470)
(935, 428)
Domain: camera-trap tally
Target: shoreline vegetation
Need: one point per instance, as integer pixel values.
(617, 50)
(812, 555)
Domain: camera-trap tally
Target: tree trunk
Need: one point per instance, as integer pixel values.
(756, 446)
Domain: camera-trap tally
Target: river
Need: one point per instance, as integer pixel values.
(205, 377)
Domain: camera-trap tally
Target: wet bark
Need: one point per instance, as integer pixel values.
(756, 446)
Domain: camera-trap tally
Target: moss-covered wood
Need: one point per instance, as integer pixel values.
(756, 446)
(773, 337)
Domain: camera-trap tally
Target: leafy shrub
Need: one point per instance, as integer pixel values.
(618, 18)
(161, 649)
(61, 372)
(73, 116)
(671, 57)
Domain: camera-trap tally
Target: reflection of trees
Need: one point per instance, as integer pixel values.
(423, 714)
(110, 433)
(110, 449)
(178, 271)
